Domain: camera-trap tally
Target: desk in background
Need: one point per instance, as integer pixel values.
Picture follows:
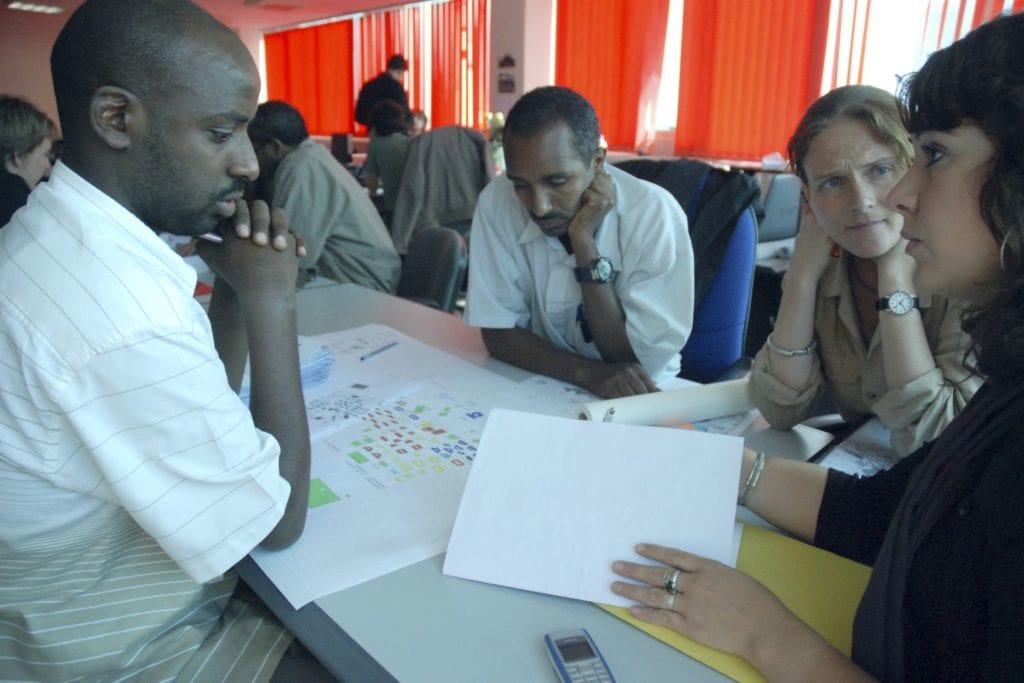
(417, 625)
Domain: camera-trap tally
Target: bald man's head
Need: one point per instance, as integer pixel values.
(142, 46)
(155, 97)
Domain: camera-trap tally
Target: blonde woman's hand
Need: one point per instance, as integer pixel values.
(812, 251)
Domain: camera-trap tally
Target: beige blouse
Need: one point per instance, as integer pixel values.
(916, 412)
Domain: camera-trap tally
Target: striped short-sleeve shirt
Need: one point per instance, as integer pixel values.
(131, 476)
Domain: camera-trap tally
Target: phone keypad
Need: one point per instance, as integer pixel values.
(588, 673)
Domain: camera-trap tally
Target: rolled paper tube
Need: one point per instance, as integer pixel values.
(671, 408)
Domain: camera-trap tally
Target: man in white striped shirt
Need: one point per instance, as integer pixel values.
(132, 478)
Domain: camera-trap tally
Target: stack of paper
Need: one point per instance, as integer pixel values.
(552, 502)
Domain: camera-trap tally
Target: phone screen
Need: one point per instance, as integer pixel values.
(575, 649)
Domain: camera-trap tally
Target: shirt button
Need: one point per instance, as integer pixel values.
(963, 508)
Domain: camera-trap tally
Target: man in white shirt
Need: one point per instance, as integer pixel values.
(578, 270)
(132, 478)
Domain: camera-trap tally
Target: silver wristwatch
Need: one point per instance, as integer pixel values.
(599, 271)
(898, 303)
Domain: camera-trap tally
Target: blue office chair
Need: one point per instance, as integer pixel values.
(723, 231)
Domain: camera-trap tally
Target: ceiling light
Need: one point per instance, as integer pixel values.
(35, 7)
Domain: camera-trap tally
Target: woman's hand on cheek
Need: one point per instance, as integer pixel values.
(895, 269)
(813, 250)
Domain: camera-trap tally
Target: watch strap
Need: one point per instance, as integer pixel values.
(591, 274)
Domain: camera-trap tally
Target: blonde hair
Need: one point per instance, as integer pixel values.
(22, 127)
(874, 107)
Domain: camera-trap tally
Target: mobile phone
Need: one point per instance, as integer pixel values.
(576, 658)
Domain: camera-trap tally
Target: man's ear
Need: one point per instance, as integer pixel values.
(13, 163)
(599, 158)
(278, 149)
(111, 114)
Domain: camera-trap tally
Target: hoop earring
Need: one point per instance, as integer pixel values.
(1002, 252)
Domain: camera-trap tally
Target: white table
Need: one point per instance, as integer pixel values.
(417, 625)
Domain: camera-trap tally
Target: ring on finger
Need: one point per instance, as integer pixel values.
(670, 604)
(670, 583)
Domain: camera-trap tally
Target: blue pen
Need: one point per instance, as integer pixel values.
(382, 349)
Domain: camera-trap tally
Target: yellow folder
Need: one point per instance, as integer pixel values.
(821, 588)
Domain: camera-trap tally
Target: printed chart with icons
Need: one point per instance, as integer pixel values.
(337, 391)
(865, 452)
(430, 434)
(316, 363)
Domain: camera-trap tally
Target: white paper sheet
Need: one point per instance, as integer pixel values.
(552, 502)
(674, 407)
(386, 480)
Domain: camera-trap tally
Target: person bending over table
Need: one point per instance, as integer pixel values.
(578, 270)
(851, 323)
(132, 477)
(944, 528)
(346, 239)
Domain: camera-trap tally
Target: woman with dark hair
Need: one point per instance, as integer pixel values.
(852, 324)
(385, 155)
(944, 528)
(26, 136)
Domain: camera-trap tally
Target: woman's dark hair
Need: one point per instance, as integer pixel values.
(387, 117)
(980, 80)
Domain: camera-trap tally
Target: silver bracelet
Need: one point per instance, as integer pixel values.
(748, 486)
(788, 353)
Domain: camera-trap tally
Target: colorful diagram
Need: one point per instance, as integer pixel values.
(407, 440)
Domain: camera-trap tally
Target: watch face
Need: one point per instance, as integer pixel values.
(901, 303)
(603, 269)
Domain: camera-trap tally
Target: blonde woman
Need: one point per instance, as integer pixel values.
(851, 322)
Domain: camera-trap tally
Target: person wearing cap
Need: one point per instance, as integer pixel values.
(387, 85)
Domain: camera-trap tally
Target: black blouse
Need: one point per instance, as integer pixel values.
(964, 609)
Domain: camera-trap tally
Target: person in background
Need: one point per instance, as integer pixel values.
(345, 237)
(385, 155)
(577, 270)
(417, 122)
(26, 138)
(387, 85)
(132, 477)
(944, 528)
(852, 324)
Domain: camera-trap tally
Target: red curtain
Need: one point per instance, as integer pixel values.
(312, 69)
(611, 53)
(989, 9)
(748, 72)
(382, 34)
(460, 35)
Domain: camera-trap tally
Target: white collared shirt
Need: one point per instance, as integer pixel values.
(129, 469)
(520, 277)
